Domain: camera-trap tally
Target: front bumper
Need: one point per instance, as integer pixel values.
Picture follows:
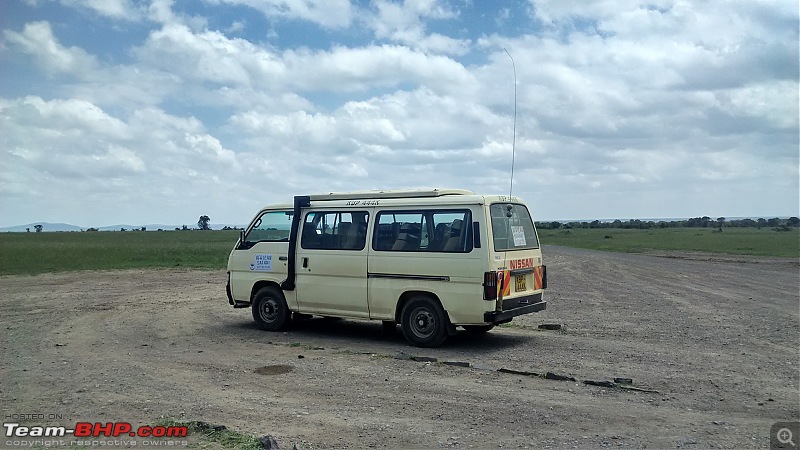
(230, 296)
(228, 289)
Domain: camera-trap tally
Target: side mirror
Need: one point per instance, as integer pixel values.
(241, 238)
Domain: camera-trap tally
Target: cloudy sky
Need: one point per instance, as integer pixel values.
(159, 111)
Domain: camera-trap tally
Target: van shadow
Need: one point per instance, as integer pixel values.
(369, 336)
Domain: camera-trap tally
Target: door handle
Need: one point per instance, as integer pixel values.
(283, 258)
(305, 263)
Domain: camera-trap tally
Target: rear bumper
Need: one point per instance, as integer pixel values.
(524, 307)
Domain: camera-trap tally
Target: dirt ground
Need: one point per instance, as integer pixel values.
(716, 337)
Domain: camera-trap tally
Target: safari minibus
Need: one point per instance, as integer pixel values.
(429, 260)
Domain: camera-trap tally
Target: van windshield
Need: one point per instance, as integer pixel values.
(272, 226)
(512, 227)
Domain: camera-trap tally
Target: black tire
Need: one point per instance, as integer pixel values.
(476, 330)
(270, 310)
(423, 322)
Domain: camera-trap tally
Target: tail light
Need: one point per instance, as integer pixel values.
(544, 277)
(490, 285)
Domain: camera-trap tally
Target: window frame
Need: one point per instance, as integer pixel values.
(493, 233)
(338, 213)
(257, 223)
(427, 215)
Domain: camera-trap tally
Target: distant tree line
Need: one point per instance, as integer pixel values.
(695, 222)
(203, 223)
(776, 223)
(181, 228)
(185, 228)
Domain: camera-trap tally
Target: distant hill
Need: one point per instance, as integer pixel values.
(46, 226)
(161, 226)
(50, 227)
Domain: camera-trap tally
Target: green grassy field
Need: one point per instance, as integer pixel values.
(737, 241)
(32, 253)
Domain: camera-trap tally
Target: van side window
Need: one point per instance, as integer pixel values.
(329, 230)
(273, 226)
(446, 231)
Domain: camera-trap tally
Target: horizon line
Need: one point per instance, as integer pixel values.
(223, 224)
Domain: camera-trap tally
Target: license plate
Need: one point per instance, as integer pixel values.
(520, 283)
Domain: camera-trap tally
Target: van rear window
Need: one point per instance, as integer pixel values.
(512, 227)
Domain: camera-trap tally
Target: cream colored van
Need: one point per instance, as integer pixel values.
(429, 260)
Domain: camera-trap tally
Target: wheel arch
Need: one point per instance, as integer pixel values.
(260, 284)
(408, 295)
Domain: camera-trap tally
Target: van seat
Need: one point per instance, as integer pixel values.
(454, 242)
(310, 237)
(349, 238)
(408, 238)
(440, 235)
(384, 236)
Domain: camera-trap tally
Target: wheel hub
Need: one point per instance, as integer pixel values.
(269, 310)
(424, 323)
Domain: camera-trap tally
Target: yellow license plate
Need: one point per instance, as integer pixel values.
(520, 283)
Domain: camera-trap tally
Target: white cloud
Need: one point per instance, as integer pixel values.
(38, 41)
(210, 56)
(707, 47)
(405, 23)
(126, 87)
(237, 26)
(355, 69)
(73, 115)
(69, 148)
(430, 125)
(206, 56)
(161, 11)
(774, 103)
(326, 13)
(399, 22)
(625, 109)
(114, 9)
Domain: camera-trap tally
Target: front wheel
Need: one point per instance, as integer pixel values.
(423, 322)
(270, 310)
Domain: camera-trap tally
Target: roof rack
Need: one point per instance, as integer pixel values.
(394, 193)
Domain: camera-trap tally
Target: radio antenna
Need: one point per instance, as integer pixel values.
(514, 135)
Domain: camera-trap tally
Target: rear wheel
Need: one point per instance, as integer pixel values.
(270, 310)
(423, 322)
